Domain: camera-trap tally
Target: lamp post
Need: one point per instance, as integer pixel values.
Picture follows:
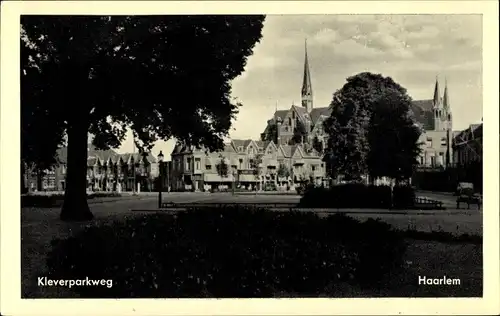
(235, 173)
(160, 166)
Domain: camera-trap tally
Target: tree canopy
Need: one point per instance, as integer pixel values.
(299, 133)
(271, 133)
(162, 76)
(371, 129)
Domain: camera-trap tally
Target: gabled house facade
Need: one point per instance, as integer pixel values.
(106, 171)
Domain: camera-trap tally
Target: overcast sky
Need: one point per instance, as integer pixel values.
(412, 49)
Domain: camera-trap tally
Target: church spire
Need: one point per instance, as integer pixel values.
(306, 84)
(446, 99)
(437, 98)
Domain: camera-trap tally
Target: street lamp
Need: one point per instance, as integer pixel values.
(235, 173)
(160, 166)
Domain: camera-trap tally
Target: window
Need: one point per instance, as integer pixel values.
(443, 141)
(269, 151)
(293, 115)
(261, 150)
(241, 163)
(433, 161)
(429, 142)
(290, 121)
(208, 167)
(63, 169)
(286, 128)
(188, 164)
(197, 163)
(240, 148)
(313, 168)
(322, 165)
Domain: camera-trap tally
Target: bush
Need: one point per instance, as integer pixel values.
(229, 252)
(348, 196)
(103, 194)
(403, 197)
(55, 200)
(41, 200)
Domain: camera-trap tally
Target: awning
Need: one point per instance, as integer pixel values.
(272, 163)
(247, 178)
(212, 177)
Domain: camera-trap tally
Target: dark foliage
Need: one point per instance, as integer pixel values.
(403, 197)
(442, 236)
(229, 252)
(357, 196)
(222, 168)
(162, 76)
(53, 200)
(299, 133)
(447, 179)
(371, 130)
(271, 133)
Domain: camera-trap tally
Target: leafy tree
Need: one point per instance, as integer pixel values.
(271, 133)
(162, 76)
(347, 146)
(393, 137)
(371, 129)
(222, 168)
(299, 133)
(283, 171)
(318, 145)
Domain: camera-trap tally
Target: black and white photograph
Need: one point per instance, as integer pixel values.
(270, 156)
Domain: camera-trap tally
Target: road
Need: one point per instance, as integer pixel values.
(454, 221)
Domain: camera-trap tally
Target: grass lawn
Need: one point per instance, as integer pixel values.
(430, 259)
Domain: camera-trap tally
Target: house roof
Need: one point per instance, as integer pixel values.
(241, 142)
(287, 150)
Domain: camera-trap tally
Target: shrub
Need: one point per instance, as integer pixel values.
(403, 197)
(229, 252)
(348, 196)
(41, 200)
(55, 200)
(104, 194)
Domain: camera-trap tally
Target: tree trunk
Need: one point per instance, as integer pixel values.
(39, 179)
(23, 179)
(75, 207)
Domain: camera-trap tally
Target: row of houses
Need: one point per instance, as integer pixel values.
(106, 171)
(251, 164)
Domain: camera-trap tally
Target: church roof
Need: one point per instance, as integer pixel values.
(317, 112)
(281, 114)
(423, 113)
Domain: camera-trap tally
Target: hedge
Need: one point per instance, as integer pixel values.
(357, 196)
(228, 252)
(53, 200)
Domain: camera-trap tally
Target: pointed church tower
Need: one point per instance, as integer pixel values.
(307, 95)
(446, 106)
(439, 116)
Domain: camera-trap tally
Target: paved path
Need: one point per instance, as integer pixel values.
(451, 220)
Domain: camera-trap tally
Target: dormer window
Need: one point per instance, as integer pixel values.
(240, 148)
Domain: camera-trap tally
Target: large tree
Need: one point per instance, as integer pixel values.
(371, 129)
(393, 137)
(271, 133)
(299, 133)
(162, 76)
